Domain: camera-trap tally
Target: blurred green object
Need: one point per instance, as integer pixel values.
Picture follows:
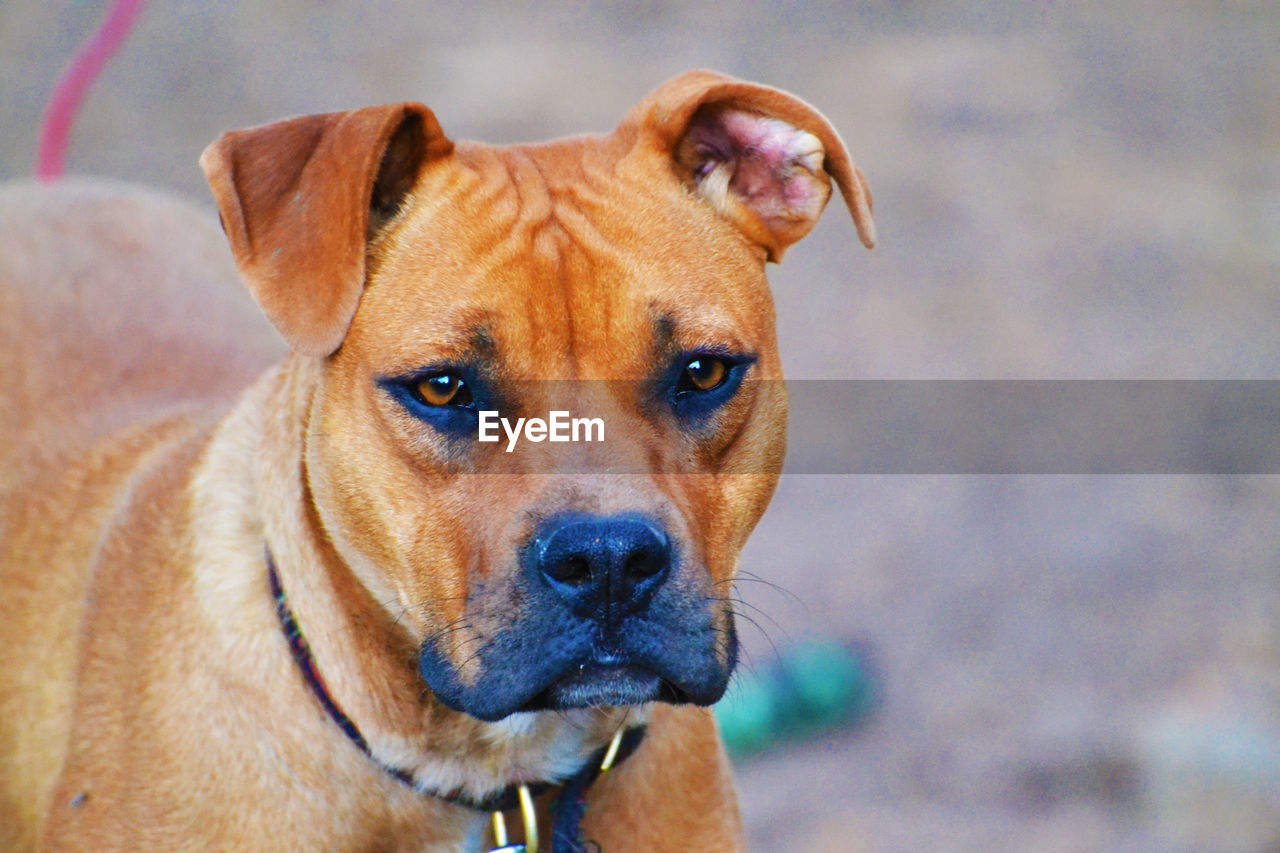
(814, 686)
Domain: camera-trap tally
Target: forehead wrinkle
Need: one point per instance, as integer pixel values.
(598, 302)
(525, 176)
(627, 274)
(631, 315)
(616, 236)
(480, 264)
(549, 299)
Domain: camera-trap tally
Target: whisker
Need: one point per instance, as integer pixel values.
(740, 601)
(751, 621)
(752, 577)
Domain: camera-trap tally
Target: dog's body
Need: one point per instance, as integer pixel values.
(474, 628)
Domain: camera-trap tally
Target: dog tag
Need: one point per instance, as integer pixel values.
(530, 819)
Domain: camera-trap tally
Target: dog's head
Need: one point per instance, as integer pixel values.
(618, 278)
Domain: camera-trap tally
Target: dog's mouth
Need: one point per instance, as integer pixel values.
(596, 685)
(515, 673)
(580, 642)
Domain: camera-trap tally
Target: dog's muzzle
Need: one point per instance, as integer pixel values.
(606, 614)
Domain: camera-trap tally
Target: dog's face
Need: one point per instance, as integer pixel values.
(618, 278)
(533, 578)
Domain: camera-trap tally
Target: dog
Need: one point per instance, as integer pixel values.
(257, 598)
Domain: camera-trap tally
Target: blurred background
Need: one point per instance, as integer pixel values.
(1064, 190)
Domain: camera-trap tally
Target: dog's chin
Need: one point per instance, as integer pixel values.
(595, 685)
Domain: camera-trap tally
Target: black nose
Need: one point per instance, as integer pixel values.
(603, 567)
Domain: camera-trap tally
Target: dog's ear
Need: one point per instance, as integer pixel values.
(300, 199)
(762, 158)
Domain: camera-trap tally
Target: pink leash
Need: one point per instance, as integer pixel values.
(55, 127)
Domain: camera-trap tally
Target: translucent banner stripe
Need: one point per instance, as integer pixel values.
(886, 427)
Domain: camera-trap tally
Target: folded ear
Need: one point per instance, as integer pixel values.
(762, 158)
(299, 200)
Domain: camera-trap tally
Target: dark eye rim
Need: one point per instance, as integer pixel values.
(450, 419)
(695, 404)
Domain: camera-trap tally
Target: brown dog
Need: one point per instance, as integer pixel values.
(302, 618)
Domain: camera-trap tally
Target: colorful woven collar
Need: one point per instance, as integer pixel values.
(569, 805)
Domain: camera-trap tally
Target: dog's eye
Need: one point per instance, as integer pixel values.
(443, 389)
(703, 373)
(698, 383)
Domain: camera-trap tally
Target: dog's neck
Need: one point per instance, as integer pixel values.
(368, 660)
(623, 743)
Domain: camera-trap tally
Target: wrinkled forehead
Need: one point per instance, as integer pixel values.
(566, 258)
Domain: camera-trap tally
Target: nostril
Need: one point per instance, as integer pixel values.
(574, 570)
(643, 564)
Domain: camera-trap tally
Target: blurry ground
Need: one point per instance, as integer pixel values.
(1063, 190)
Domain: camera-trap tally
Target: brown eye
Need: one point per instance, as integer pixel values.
(703, 373)
(443, 389)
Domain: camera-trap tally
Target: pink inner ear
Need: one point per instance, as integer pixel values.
(772, 167)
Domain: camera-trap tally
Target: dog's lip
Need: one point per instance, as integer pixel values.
(608, 682)
(555, 662)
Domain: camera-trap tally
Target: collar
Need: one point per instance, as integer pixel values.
(568, 807)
